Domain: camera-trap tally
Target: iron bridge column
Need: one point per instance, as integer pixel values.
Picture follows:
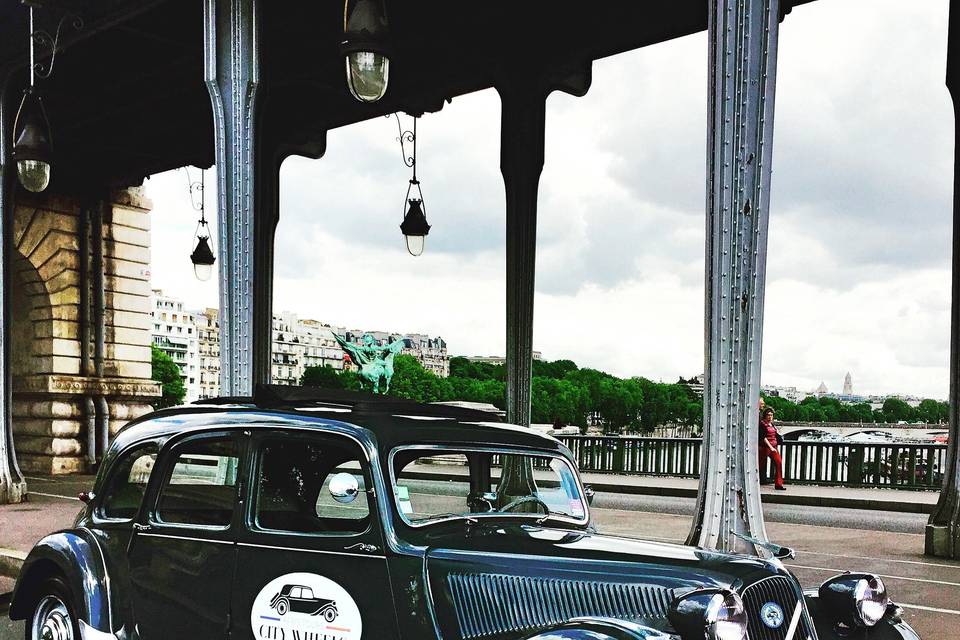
(523, 121)
(232, 76)
(943, 528)
(13, 488)
(742, 58)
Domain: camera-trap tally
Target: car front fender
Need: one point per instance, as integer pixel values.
(76, 555)
(891, 627)
(599, 629)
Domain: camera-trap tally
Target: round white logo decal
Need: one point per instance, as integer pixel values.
(305, 606)
(772, 615)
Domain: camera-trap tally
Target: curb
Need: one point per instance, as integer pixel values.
(776, 498)
(11, 561)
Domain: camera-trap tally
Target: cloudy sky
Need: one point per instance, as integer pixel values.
(859, 247)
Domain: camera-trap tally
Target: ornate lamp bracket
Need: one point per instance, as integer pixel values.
(44, 40)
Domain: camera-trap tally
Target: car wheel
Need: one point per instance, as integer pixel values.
(329, 615)
(282, 607)
(53, 618)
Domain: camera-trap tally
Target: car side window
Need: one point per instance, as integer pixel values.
(294, 492)
(201, 486)
(128, 483)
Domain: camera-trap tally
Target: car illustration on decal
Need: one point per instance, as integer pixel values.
(300, 599)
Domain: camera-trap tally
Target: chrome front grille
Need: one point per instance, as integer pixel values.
(489, 604)
(782, 592)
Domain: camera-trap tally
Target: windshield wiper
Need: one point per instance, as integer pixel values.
(548, 514)
(442, 516)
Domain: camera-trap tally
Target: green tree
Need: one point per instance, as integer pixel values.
(165, 371)
(896, 410)
(412, 381)
(933, 412)
(557, 369)
(322, 376)
(460, 367)
(620, 404)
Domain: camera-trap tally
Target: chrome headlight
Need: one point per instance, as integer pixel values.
(715, 614)
(855, 599)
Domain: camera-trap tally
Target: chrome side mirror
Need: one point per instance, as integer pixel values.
(344, 488)
(589, 493)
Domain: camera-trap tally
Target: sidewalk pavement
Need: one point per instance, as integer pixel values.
(52, 503)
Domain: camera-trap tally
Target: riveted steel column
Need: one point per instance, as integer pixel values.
(269, 158)
(13, 488)
(742, 58)
(232, 75)
(521, 161)
(943, 528)
(523, 120)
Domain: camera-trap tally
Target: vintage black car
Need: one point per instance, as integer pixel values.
(305, 514)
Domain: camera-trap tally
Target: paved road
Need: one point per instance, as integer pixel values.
(828, 541)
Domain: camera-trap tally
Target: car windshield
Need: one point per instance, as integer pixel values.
(433, 485)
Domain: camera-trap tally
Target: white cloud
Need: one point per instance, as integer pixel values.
(860, 227)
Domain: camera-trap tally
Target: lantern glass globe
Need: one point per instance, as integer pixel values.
(203, 272)
(367, 75)
(34, 175)
(415, 244)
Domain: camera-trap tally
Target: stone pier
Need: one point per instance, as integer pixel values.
(80, 277)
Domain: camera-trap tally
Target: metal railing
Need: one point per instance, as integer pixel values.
(892, 465)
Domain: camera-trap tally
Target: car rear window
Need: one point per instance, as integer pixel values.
(201, 487)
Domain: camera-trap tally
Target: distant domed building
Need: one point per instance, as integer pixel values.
(822, 389)
(848, 385)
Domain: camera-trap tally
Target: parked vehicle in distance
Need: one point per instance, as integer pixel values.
(305, 513)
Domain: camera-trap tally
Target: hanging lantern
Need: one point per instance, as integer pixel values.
(32, 149)
(415, 227)
(202, 259)
(365, 48)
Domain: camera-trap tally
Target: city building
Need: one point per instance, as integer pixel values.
(848, 385)
(695, 383)
(788, 393)
(192, 340)
(208, 346)
(499, 360)
(174, 331)
(298, 344)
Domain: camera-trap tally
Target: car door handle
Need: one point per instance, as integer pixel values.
(140, 527)
(362, 546)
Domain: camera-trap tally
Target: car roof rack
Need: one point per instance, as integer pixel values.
(277, 396)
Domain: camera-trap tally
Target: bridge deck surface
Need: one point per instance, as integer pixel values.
(929, 588)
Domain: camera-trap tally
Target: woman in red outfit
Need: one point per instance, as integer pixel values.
(768, 447)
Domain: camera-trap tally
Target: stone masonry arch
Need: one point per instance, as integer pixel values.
(78, 272)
